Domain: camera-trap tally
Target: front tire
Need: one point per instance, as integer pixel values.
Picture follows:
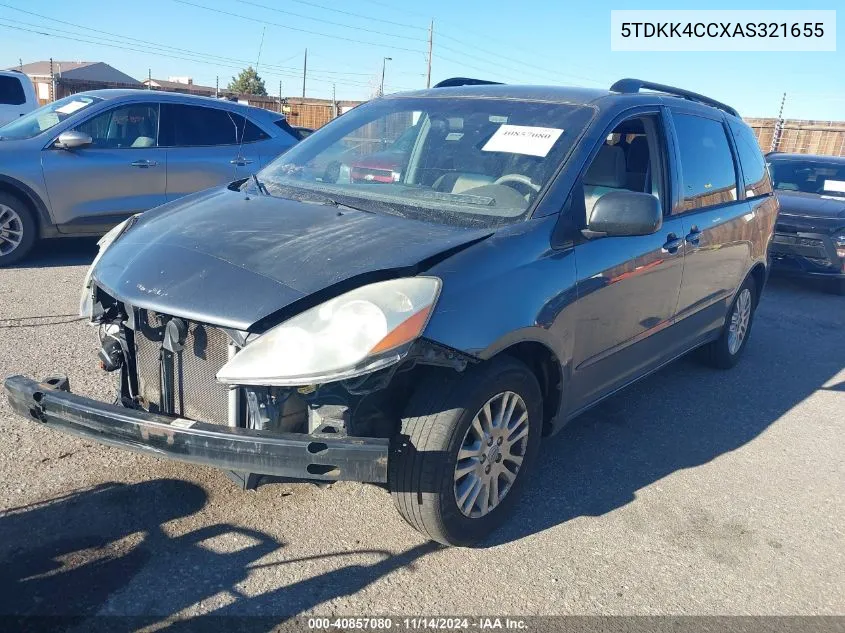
(465, 445)
(724, 352)
(17, 229)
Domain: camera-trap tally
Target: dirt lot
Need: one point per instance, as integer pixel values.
(694, 492)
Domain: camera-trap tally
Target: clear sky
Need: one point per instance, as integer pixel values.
(529, 41)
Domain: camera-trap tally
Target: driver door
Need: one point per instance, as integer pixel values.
(123, 171)
(628, 286)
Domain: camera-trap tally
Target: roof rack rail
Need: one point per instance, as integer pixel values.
(465, 81)
(633, 86)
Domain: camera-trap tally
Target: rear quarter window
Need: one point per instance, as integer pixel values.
(11, 91)
(754, 173)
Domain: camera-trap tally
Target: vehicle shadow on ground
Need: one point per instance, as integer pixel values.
(683, 416)
(105, 551)
(70, 251)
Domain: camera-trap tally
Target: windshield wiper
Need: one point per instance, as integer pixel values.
(261, 187)
(326, 200)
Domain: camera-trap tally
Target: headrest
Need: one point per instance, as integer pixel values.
(608, 168)
(638, 152)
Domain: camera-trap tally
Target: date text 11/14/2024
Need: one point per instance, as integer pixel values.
(417, 623)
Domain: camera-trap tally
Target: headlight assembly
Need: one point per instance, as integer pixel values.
(839, 243)
(86, 298)
(358, 332)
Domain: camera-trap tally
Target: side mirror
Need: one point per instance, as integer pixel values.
(624, 213)
(73, 139)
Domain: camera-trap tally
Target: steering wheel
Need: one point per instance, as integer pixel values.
(524, 180)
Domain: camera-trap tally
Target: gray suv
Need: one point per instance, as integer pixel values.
(80, 165)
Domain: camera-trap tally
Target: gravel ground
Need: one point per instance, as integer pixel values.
(693, 492)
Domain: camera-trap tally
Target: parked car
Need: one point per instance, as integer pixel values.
(82, 164)
(301, 132)
(810, 232)
(17, 95)
(382, 166)
(427, 333)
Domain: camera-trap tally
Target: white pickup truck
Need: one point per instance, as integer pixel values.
(17, 95)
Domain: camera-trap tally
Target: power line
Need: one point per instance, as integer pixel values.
(293, 28)
(345, 26)
(520, 69)
(159, 46)
(359, 15)
(172, 56)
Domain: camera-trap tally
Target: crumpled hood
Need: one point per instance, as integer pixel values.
(217, 258)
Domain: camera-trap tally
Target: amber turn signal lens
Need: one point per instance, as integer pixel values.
(406, 331)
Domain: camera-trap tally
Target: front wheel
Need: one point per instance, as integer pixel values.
(17, 230)
(725, 351)
(465, 445)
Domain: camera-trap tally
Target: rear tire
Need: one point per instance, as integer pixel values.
(452, 413)
(724, 352)
(18, 229)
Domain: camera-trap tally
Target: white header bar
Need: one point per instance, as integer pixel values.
(747, 30)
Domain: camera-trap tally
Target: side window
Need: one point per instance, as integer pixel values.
(11, 91)
(248, 132)
(631, 158)
(755, 175)
(708, 174)
(197, 126)
(129, 126)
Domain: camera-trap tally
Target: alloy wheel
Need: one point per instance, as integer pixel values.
(740, 319)
(11, 229)
(491, 454)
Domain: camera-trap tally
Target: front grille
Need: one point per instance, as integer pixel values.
(198, 395)
(786, 244)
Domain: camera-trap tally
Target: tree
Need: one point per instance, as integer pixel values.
(248, 83)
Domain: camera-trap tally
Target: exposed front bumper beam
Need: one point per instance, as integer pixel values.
(295, 455)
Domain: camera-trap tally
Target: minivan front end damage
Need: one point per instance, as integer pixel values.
(172, 404)
(297, 455)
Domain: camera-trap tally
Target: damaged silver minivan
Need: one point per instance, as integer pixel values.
(423, 322)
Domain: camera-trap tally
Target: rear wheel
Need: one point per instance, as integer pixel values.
(17, 229)
(725, 351)
(464, 449)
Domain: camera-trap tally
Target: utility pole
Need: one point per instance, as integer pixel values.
(334, 103)
(52, 82)
(149, 78)
(383, 65)
(430, 46)
(304, 71)
(20, 64)
(217, 87)
(778, 126)
(280, 96)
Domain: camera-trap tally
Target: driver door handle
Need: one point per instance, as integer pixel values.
(673, 243)
(143, 163)
(694, 236)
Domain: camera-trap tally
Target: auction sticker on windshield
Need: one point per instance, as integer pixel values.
(73, 106)
(523, 139)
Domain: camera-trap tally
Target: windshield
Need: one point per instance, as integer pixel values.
(46, 117)
(810, 176)
(462, 161)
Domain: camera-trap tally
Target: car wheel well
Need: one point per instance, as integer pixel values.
(546, 368)
(21, 195)
(758, 273)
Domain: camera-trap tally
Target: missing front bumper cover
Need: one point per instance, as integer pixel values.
(295, 455)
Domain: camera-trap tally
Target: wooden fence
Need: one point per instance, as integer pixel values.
(800, 136)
